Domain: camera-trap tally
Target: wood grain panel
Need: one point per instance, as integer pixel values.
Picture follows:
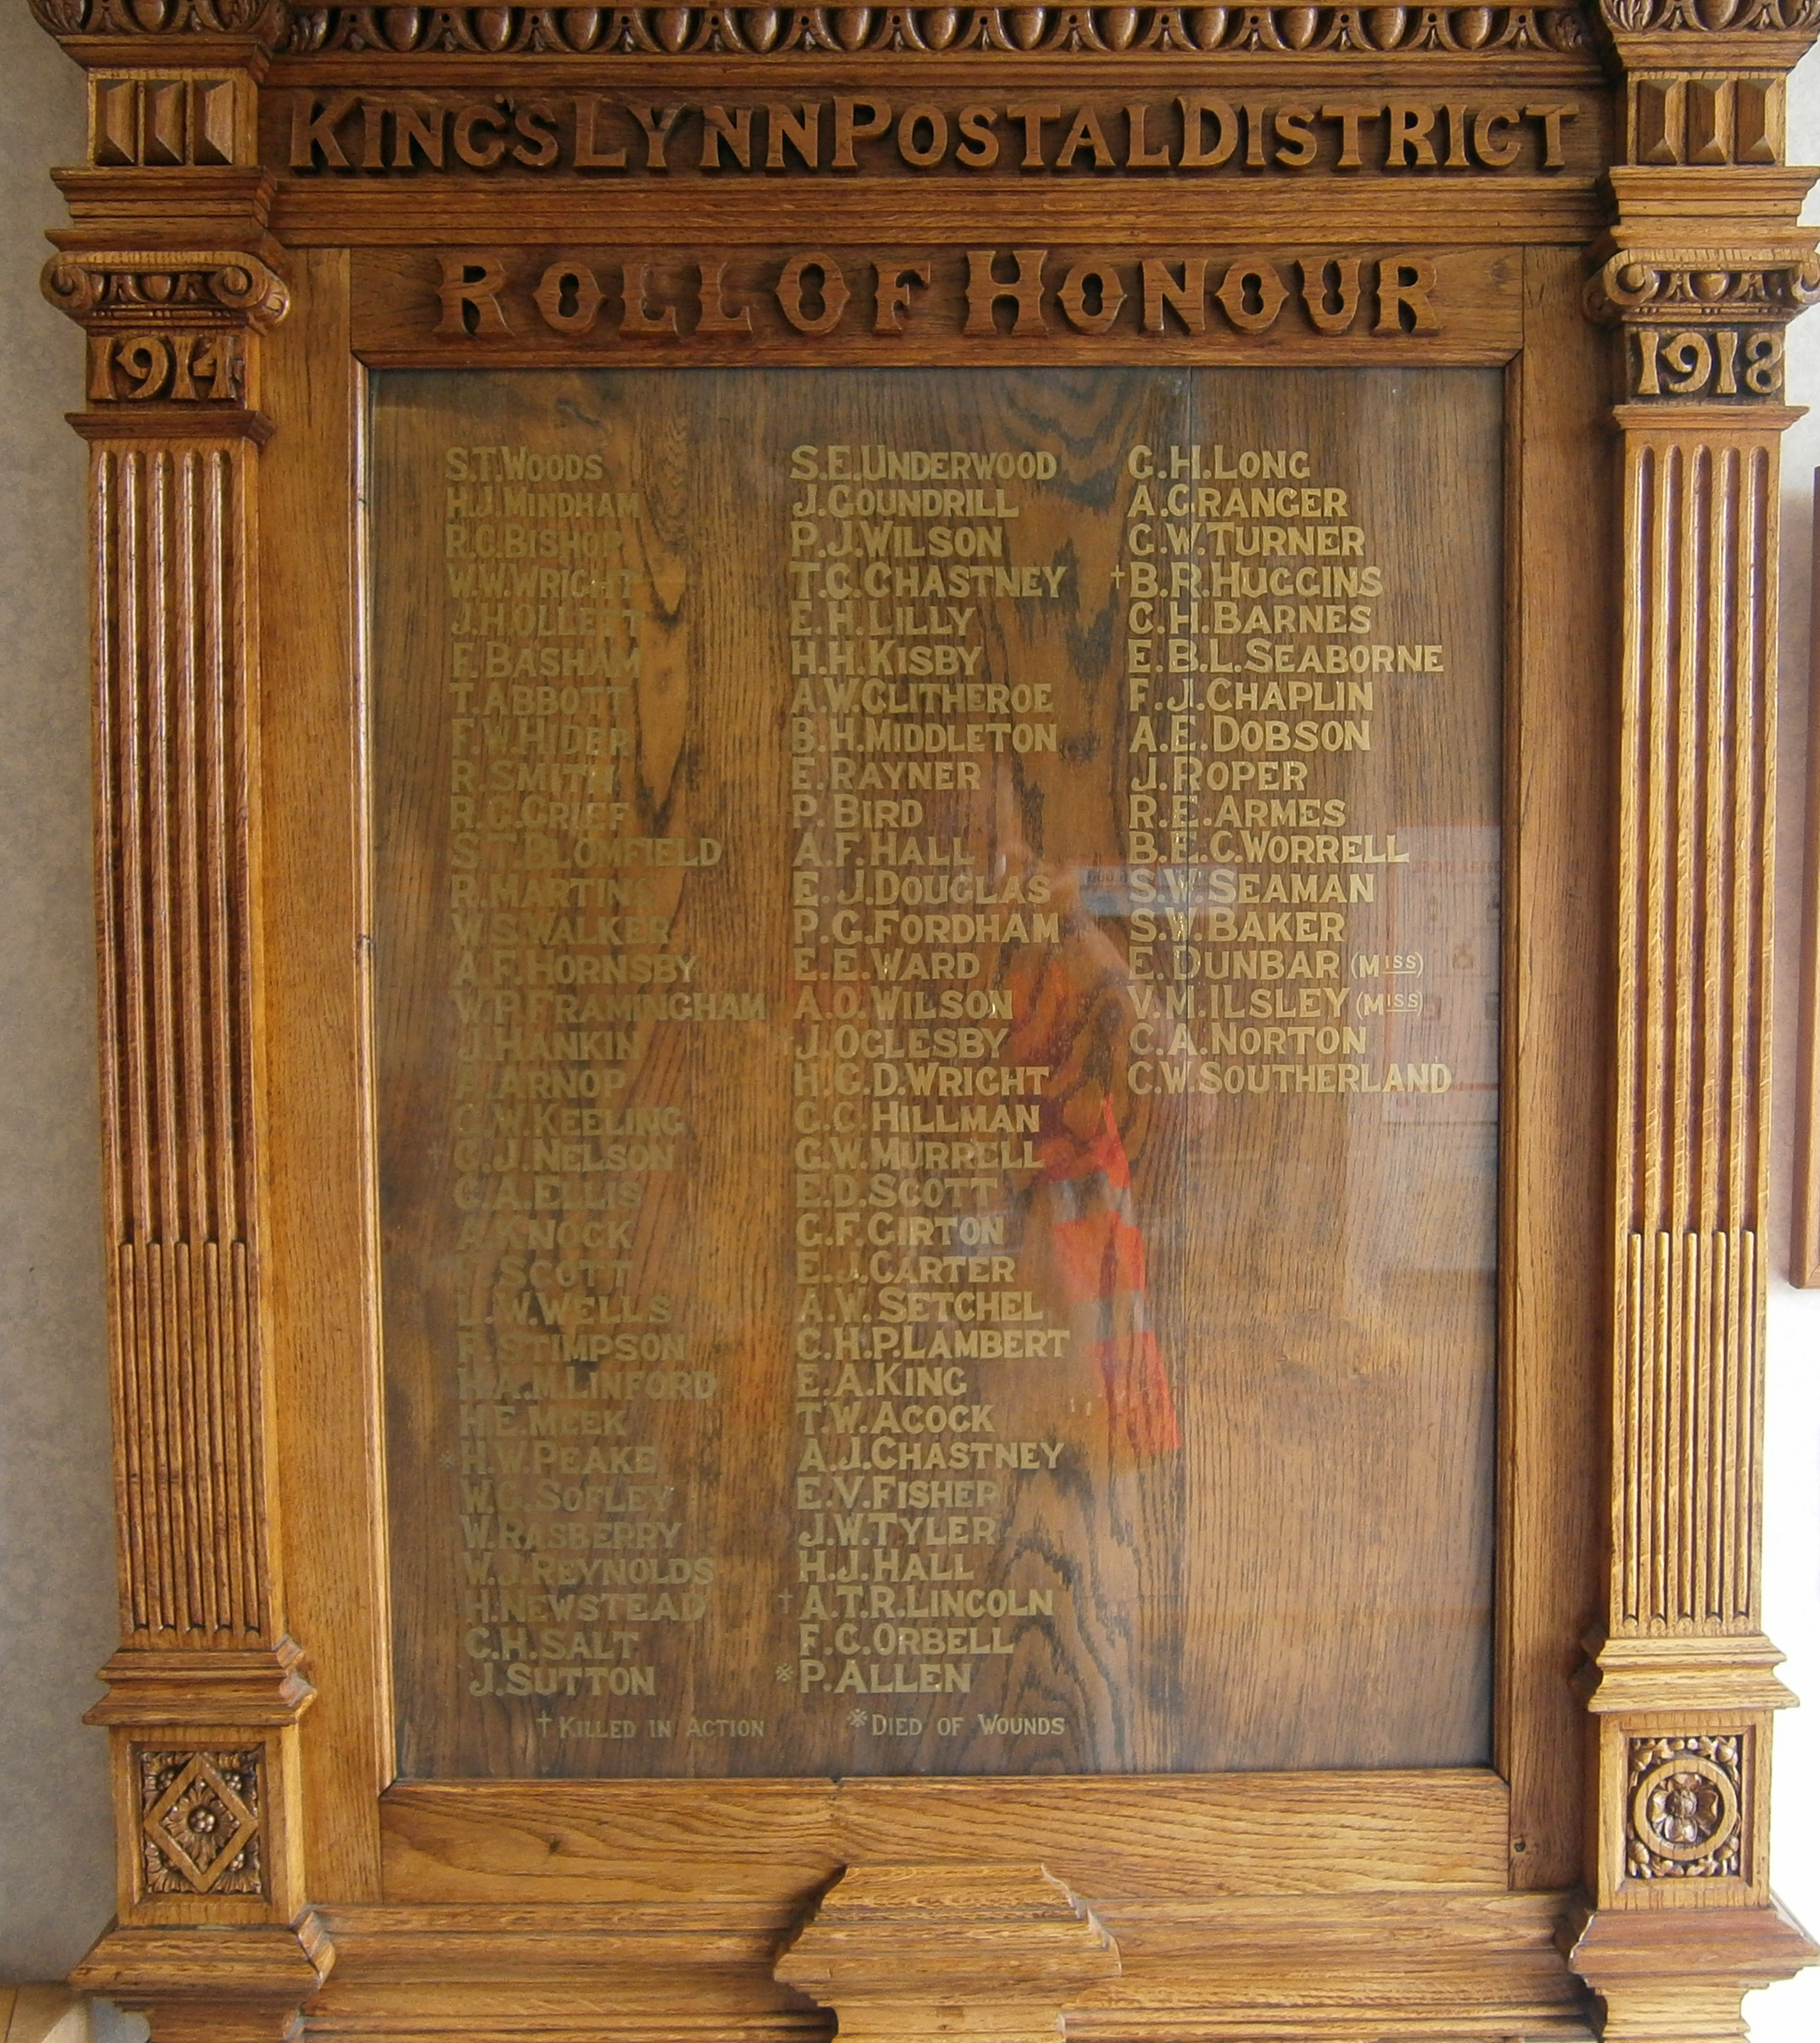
(515, 1844)
(1804, 1230)
(1448, 1965)
(1557, 1073)
(323, 1290)
(1507, 213)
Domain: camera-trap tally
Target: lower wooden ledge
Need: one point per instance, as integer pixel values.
(1136, 1836)
(1453, 1964)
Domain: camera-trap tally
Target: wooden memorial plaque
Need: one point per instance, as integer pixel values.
(934, 871)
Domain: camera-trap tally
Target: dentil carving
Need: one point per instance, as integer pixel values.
(479, 27)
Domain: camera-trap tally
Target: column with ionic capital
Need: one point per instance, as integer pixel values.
(1699, 278)
(206, 1692)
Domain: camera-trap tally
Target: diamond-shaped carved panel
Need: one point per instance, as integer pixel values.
(199, 1821)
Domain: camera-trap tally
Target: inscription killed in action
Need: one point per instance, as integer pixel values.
(937, 962)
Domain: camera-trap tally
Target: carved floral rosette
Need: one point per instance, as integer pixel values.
(1684, 1808)
(200, 1820)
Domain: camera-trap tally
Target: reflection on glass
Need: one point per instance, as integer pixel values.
(938, 975)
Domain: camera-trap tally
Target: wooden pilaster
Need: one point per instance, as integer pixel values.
(1699, 278)
(206, 1691)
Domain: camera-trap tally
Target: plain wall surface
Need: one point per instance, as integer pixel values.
(58, 1620)
(57, 1601)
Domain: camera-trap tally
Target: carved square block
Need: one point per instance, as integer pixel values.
(200, 1820)
(1684, 1806)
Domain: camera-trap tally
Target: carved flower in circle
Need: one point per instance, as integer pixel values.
(1685, 1809)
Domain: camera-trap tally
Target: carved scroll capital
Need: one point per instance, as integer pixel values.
(166, 288)
(1704, 325)
(1671, 286)
(169, 327)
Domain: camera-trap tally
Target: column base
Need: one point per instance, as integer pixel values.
(198, 1984)
(1680, 1975)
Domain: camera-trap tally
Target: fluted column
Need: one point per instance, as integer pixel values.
(1681, 1681)
(1693, 797)
(206, 1692)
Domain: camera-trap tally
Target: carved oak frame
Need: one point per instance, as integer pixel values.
(230, 300)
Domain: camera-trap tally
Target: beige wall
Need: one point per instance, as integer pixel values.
(56, 1571)
(56, 1566)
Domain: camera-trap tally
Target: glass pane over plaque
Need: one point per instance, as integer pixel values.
(937, 969)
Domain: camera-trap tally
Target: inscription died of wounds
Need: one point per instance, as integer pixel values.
(936, 949)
